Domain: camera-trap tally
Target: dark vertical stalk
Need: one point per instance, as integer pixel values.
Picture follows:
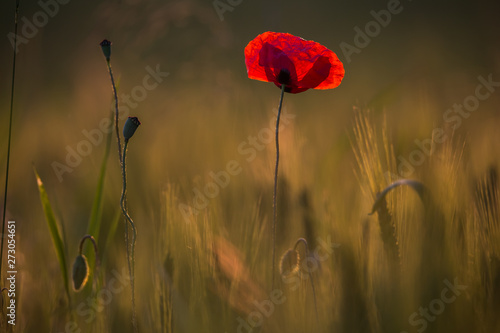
(116, 111)
(16, 13)
(130, 258)
(275, 211)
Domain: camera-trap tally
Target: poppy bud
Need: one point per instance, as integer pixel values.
(289, 263)
(80, 272)
(106, 48)
(130, 126)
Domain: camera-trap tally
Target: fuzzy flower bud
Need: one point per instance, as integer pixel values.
(80, 272)
(106, 48)
(130, 126)
(289, 263)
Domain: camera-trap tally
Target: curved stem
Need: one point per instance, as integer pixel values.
(96, 253)
(116, 111)
(303, 241)
(92, 239)
(130, 256)
(275, 211)
(83, 241)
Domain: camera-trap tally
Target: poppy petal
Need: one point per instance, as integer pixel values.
(310, 65)
(318, 73)
(336, 74)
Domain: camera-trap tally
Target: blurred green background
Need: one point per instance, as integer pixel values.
(426, 59)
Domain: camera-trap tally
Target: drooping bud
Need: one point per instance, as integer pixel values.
(80, 272)
(289, 263)
(130, 126)
(106, 48)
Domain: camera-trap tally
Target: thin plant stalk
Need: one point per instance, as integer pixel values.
(130, 258)
(116, 109)
(123, 201)
(275, 210)
(16, 14)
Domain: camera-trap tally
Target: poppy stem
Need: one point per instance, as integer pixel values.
(275, 210)
(115, 97)
(131, 254)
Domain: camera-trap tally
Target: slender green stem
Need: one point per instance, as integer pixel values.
(116, 111)
(275, 210)
(130, 257)
(16, 13)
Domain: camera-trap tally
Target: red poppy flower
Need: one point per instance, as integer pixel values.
(290, 60)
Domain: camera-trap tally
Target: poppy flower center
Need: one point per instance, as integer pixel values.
(284, 76)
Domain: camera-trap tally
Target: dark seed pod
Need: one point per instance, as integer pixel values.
(130, 126)
(106, 48)
(80, 272)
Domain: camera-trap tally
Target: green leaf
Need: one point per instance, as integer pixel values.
(96, 213)
(54, 232)
(95, 219)
(111, 233)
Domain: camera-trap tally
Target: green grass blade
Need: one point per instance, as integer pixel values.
(96, 213)
(111, 234)
(95, 218)
(54, 232)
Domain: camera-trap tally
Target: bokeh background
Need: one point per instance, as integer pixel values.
(426, 59)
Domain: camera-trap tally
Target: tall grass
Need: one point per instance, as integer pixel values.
(380, 275)
(423, 234)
